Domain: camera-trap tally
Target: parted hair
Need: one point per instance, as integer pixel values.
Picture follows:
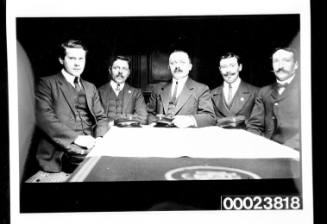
(71, 43)
(231, 55)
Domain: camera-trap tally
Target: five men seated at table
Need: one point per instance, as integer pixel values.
(73, 115)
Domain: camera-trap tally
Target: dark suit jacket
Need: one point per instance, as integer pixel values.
(134, 103)
(277, 117)
(243, 101)
(193, 100)
(56, 117)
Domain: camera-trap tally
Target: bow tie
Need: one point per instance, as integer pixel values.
(279, 85)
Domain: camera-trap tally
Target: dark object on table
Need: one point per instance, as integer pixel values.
(165, 121)
(127, 123)
(232, 122)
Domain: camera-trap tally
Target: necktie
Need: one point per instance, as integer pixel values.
(174, 96)
(118, 87)
(77, 85)
(230, 96)
(172, 102)
(281, 87)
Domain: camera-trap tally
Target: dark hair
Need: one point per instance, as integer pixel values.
(119, 57)
(71, 43)
(231, 55)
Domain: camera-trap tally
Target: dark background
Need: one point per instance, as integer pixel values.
(206, 38)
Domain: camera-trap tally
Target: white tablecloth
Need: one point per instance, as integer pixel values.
(208, 142)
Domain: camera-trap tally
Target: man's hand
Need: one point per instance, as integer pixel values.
(85, 141)
(184, 121)
(76, 150)
(97, 140)
(111, 123)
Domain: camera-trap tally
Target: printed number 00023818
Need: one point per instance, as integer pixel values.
(261, 202)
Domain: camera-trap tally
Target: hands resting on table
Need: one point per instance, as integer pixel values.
(184, 121)
(83, 144)
(180, 121)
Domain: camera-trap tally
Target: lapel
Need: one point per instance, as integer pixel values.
(219, 100)
(274, 92)
(165, 95)
(64, 88)
(184, 95)
(127, 96)
(240, 98)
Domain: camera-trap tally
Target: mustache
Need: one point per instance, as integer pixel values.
(119, 75)
(281, 70)
(178, 70)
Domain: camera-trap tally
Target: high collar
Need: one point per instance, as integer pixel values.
(181, 82)
(114, 85)
(69, 78)
(235, 84)
(287, 81)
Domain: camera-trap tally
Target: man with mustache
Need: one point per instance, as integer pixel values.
(120, 100)
(184, 100)
(234, 99)
(69, 113)
(276, 114)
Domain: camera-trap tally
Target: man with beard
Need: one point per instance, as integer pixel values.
(234, 99)
(276, 113)
(120, 100)
(184, 100)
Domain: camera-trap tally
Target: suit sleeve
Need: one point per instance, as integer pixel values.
(47, 119)
(256, 122)
(140, 107)
(102, 121)
(205, 115)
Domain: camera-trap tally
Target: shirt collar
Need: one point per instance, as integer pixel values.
(234, 84)
(287, 81)
(181, 82)
(113, 84)
(70, 78)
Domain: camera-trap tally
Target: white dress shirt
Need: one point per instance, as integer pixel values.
(235, 86)
(181, 83)
(69, 78)
(114, 86)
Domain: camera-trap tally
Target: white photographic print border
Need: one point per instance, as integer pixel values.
(38, 8)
